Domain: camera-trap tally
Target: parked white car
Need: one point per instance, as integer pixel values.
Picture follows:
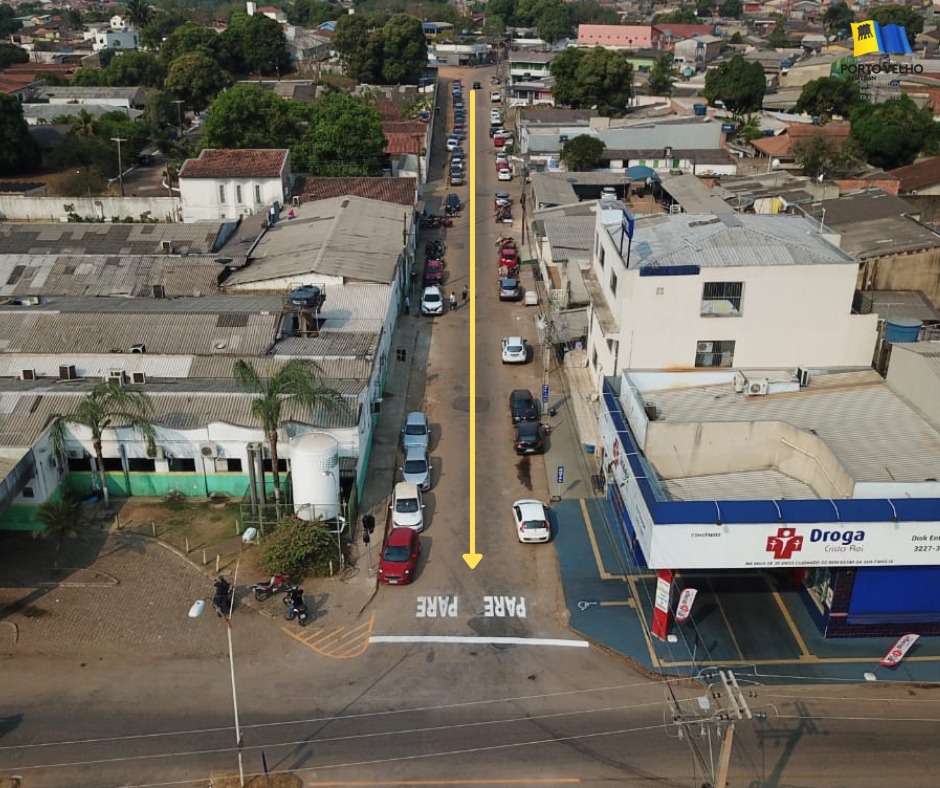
(407, 506)
(531, 521)
(496, 96)
(514, 350)
(504, 174)
(432, 299)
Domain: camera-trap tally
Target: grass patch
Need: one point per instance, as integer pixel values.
(182, 524)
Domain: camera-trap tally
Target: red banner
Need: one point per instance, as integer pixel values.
(661, 605)
(899, 650)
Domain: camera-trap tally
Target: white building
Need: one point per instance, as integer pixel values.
(116, 39)
(226, 184)
(698, 291)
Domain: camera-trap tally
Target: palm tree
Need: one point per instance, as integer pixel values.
(75, 20)
(297, 381)
(62, 518)
(83, 124)
(107, 405)
(139, 12)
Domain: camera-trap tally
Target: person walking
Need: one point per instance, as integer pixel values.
(453, 301)
(407, 305)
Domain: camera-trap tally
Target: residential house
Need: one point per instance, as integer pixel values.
(783, 147)
(534, 93)
(529, 66)
(399, 191)
(669, 35)
(228, 184)
(306, 46)
(118, 97)
(699, 291)
(110, 38)
(698, 50)
(277, 14)
(922, 177)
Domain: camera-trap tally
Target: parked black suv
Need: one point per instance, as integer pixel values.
(529, 438)
(522, 406)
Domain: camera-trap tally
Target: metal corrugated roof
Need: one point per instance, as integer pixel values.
(727, 241)
(874, 434)
(354, 369)
(349, 237)
(82, 238)
(573, 235)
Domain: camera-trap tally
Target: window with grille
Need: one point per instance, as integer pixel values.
(257, 194)
(714, 353)
(722, 299)
(238, 194)
(221, 193)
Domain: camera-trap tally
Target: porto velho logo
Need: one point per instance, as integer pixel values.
(870, 38)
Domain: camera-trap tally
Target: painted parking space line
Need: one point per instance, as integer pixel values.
(604, 574)
(337, 642)
(475, 640)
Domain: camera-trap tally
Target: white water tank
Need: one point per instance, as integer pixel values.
(315, 476)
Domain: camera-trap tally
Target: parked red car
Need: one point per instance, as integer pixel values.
(509, 256)
(400, 556)
(433, 273)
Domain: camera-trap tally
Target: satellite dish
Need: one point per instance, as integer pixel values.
(775, 163)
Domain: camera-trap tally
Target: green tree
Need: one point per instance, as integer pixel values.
(255, 45)
(248, 116)
(910, 18)
(829, 96)
(310, 13)
(11, 53)
(299, 382)
(738, 83)
(86, 77)
(75, 21)
(504, 9)
(135, 68)
(736, 38)
(9, 24)
(299, 548)
(750, 129)
(731, 9)
(19, 152)
(197, 79)
(107, 406)
(404, 50)
(555, 23)
(359, 46)
(139, 12)
(62, 519)
(582, 153)
(83, 124)
(165, 21)
(593, 78)
(662, 76)
(817, 155)
(494, 25)
(344, 138)
(189, 38)
(893, 133)
(117, 124)
(589, 12)
(838, 17)
(778, 37)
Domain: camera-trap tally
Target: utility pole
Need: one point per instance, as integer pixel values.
(119, 140)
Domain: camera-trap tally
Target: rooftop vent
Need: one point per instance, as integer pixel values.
(138, 348)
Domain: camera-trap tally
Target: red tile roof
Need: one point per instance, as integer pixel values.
(241, 163)
(11, 83)
(925, 172)
(394, 190)
(404, 127)
(782, 144)
(403, 142)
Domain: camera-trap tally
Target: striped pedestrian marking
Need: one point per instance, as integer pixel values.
(336, 642)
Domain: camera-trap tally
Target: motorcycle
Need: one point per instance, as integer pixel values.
(222, 601)
(296, 606)
(277, 583)
(434, 250)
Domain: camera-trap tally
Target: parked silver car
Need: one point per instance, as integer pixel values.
(417, 468)
(416, 433)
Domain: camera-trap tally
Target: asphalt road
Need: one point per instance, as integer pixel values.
(433, 712)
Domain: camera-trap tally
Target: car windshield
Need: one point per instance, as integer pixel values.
(415, 429)
(508, 284)
(430, 298)
(416, 466)
(406, 505)
(395, 554)
(534, 525)
(514, 348)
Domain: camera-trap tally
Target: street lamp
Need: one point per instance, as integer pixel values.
(179, 113)
(197, 610)
(119, 140)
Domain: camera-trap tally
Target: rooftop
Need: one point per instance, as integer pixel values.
(725, 241)
(693, 195)
(91, 92)
(241, 163)
(353, 238)
(402, 191)
(925, 172)
(874, 434)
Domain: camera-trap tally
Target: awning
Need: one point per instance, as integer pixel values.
(640, 173)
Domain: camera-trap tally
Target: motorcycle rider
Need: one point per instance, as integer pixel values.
(295, 601)
(222, 591)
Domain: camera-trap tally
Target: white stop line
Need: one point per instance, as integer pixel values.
(475, 640)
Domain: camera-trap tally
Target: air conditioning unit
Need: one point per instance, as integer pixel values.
(802, 375)
(138, 378)
(704, 347)
(67, 372)
(295, 200)
(740, 383)
(159, 291)
(208, 450)
(758, 388)
(27, 374)
(138, 348)
(166, 246)
(116, 376)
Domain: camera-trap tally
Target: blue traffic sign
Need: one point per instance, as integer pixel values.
(545, 394)
(560, 475)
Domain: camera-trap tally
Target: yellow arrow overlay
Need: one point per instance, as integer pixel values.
(473, 557)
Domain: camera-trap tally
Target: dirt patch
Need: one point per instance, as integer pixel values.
(208, 533)
(259, 781)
